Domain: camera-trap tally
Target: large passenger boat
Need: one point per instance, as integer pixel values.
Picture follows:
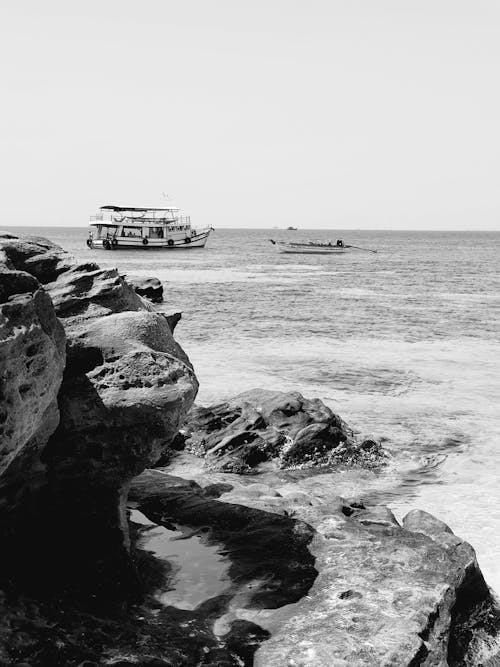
(144, 227)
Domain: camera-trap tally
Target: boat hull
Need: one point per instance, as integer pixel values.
(124, 243)
(310, 250)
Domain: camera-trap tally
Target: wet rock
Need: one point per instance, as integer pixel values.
(149, 288)
(287, 428)
(239, 453)
(383, 594)
(312, 443)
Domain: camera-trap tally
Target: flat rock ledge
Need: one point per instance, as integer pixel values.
(375, 592)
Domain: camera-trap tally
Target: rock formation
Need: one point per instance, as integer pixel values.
(149, 288)
(94, 389)
(260, 425)
(126, 388)
(374, 593)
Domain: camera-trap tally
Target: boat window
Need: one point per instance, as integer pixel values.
(156, 233)
(108, 231)
(132, 232)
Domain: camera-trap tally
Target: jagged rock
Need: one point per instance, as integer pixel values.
(173, 319)
(32, 357)
(126, 389)
(150, 288)
(293, 430)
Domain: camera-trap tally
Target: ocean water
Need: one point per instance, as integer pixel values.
(403, 344)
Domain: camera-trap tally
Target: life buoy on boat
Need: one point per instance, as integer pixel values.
(90, 243)
(340, 243)
(187, 240)
(145, 242)
(106, 244)
(170, 242)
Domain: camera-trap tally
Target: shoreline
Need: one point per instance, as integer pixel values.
(109, 388)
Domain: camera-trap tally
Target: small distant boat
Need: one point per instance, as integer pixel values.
(292, 229)
(316, 247)
(119, 227)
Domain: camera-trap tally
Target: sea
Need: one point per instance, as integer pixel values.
(404, 344)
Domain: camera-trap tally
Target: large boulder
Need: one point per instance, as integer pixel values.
(126, 389)
(262, 425)
(32, 358)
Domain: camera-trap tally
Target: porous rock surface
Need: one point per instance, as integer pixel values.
(261, 425)
(126, 388)
(376, 592)
(32, 359)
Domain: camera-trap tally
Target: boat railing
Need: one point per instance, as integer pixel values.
(118, 218)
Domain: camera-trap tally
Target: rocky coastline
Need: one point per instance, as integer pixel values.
(98, 425)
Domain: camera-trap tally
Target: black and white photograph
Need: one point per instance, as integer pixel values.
(250, 333)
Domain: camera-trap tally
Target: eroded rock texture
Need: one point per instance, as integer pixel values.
(261, 425)
(126, 388)
(32, 358)
(374, 593)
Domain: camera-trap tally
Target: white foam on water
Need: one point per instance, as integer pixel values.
(435, 403)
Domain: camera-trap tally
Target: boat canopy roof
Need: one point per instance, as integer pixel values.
(112, 207)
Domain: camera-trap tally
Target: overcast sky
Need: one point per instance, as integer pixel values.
(318, 113)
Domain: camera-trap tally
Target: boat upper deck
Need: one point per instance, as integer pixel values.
(135, 215)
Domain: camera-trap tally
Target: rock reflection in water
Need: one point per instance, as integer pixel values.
(199, 571)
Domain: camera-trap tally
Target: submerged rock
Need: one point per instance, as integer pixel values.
(261, 425)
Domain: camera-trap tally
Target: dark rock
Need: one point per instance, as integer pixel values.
(126, 388)
(32, 358)
(312, 443)
(239, 453)
(150, 288)
(286, 427)
(173, 319)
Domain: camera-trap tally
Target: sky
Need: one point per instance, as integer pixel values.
(370, 114)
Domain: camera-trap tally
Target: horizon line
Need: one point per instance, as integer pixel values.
(284, 229)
